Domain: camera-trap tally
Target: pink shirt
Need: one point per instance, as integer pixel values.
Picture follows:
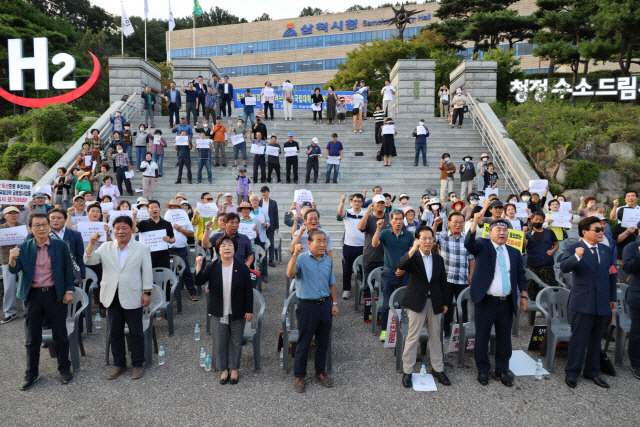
(43, 274)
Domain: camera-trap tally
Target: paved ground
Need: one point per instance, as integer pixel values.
(367, 389)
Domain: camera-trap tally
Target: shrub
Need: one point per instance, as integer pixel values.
(582, 174)
(49, 124)
(629, 168)
(15, 158)
(12, 126)
(555, 188)
(79, 129)
(42, 153)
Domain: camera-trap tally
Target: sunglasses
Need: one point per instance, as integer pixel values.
(209, 199)
(598, 230)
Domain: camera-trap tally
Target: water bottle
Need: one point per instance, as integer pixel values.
(288, 324)
(281, 358)
(539, 369)
(161, 356)
(423, 371)
(98, 321)
(158, 314)
(203, 356)
(207, 364)
(197, 332)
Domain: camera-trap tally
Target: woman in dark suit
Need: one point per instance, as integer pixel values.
(230, 304)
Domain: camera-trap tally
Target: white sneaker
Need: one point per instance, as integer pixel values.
(360, 130)
(346, 295)
(355, 131)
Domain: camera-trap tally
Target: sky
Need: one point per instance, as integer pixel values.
(248, 9)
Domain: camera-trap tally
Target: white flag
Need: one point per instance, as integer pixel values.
(172, 22)
(127, 28)
(146, 9)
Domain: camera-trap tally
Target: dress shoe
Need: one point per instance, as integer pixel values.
(115, 372)
(635, 372)
(505, 379)
(325, 380)
(137, 372)
(483, 379)
(441, 377)
(272, 264)
(598, 381)
(29, 382)
(234, 381)
(407, 382)
(66, 377)
(299, 385)
(265, 280)
(571, 381)
(225, 379)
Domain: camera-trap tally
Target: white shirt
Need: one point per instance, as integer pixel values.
(357, 100)
(265, 206)
(388, 93)
(496, 285)
(428, 263)
(122, 253)
(181, 239)
(60, 233)
(260, 218)
(353, 236)
(150, 170)
(589, 248)
(227, 273)
(226, 88)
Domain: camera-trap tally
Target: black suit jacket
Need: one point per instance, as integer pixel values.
(415, 296)
(274, 223)
(241, 289)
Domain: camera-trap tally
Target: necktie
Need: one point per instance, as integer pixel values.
(595, 253)
(503, 271)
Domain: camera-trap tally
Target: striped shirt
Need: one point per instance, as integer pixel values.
(456, 257)
(379, 116)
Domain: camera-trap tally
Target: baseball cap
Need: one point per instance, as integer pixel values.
(314, 140)
(403, 195)
(184, 202)
(496, 204)
(10, 209)
(307, 205)
(227, 195)
(290, 134)
(142, 202)
(79, 196)
(378, 198)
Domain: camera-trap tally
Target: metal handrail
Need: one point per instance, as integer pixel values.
(502, 161)
(128, 107)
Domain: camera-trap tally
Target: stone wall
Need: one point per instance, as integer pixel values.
(479, 78)
(190, 69)
(415, 81)
(129, 75)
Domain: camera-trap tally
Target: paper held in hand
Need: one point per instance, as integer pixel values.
(272, 151)
(538, 186)
(565, 207)
(250, 100)
(630, 218)
(143, 214)
(287, 86)
(106, 206)
(237, 139)
(13, 235)
(153, 239)
(87, 228)
(257, 149)
(182, 140)
(301, 196)
(203, 143)
(128, 174)
(290, 151)
(561, 219)
(489, 191)
(315, 107)
(333, 160)
(247, 230)
(115, 214)
(388, 129)
(421, 130)
(176, 216)
(157, 140)
(521, 209)
(269, 91)
(207, 210)
(76, 219)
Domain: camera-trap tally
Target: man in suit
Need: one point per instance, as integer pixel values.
(497, 284)
(593, 297)
(57, 219)
(271, 206)
(149, 106)
(631, 265)
(126, 286)
(425, 297)
(201, 88)
(226, 89)
(215, 84)
(174, 102)
(46, 286)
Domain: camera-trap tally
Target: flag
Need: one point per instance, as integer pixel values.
(127, 28)
(146, 9)
(172, 22)
(197, 10)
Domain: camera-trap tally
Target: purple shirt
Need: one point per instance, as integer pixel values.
(334, 148)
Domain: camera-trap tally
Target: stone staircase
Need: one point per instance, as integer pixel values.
(357, 171)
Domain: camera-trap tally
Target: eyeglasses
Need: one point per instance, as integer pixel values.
(209, 199)
(81, 201)
(39, 226)
(598, 230)
(425, 239)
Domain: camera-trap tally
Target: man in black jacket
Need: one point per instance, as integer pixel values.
(425, 297)
(259, 127)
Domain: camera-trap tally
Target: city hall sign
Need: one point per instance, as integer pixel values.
(39, 63)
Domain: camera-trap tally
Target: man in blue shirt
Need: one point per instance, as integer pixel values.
(192, 102)
(248, 110)
(174, 103)
(232, 220)
(210, 102)
(316, 292)
(183, 126)
(204, 159)
(149, 106)
(313, 152)
(334, 149)
(396, 242)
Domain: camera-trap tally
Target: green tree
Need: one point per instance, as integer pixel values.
(508, 70)
(312, 11)
(80, 13)
(156, 41)
(263, 17)
(357, 7)
(213, 17)
(98, 98)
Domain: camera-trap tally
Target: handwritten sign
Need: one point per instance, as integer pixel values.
(182, 140)
(388, 129)
(421, 130)
(143, 214)
(113, 214)
(207, 210)
(489, 191)
(237, 139)
(203, 143)
(250, 100)
(630, 217)
(87, 228)
(521, 209)
(268, 92)
(247, 229)
(290, 151)
(257, 149)
(157, 139)
(153, 239)
(538, 186)
(76, 219)
(15, 192)
(561, 219)
(106, 206)
(565, 207)
(333, 160)
(316, 107)
(301, 196)
(287, 86)
(13, 235)
(176, 216)
(272, 151)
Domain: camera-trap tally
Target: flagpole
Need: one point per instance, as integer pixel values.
(194, 35)
(122, 40)
(145, 37)
(169, 59)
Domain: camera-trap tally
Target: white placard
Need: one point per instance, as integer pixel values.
(561, 219)
(388, 129)
(157, 139)
(43, 189)
(315, 107)
(87, 160)
(207, 210)
(106, 206)
(153, 239)
(287, 86)
(16, 193)
(521, 364)
(113, 214)
(94, 166)
(301, 196)
(203, 143)
(13, 235)
(237, 139)
(521, 209)
(489, 191)
(538, 186)
(426, 383)
(333, 160)
(421, 130)
(272, 151)
(176, 216)
(143, 214)
(565, 206)
(257, 149)
(268, 92)
(290, 151)
(182, 140)
(247, 230)
(630, 217)
(128, 174)
(76, 219)
(250, 100)
(87, 228)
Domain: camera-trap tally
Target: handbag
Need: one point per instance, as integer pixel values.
(465, 109)
(379, 156)
(289, 100)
